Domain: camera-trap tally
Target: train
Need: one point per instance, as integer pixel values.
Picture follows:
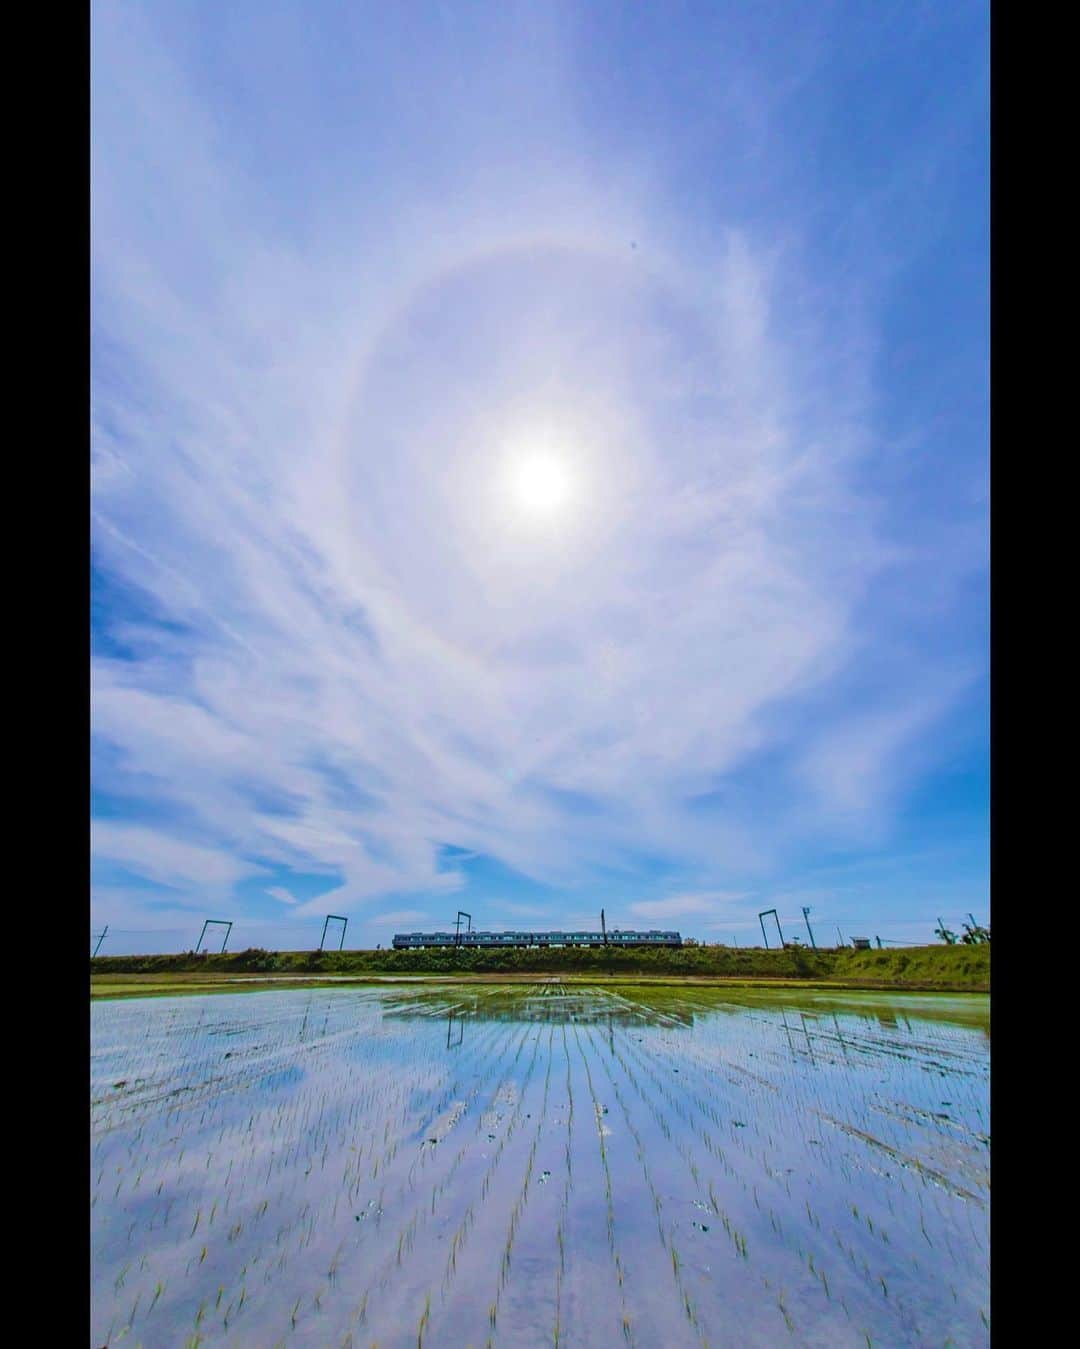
(408, 941)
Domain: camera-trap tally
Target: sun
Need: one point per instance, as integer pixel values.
(541, 484)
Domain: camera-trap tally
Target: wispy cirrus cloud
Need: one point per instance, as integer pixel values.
(335, 646)
(711, 904)
(403, 918)
(155, 855)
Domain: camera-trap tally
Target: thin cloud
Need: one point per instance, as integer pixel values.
(685, 906)
(344, 652)
(401, 918)
(156, 856)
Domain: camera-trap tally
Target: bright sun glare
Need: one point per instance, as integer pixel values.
(541, 484)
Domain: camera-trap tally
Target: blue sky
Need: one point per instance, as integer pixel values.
(539, 462)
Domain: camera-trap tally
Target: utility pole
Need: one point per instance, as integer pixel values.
(100, 939)
(603, 926)
(840, 935)
(806, 915)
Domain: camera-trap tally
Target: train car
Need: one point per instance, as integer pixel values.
(406, 941)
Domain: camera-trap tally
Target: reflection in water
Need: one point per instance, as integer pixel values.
(546, 1003)
(840, 1037)
(806, 1032)
(627, 1164)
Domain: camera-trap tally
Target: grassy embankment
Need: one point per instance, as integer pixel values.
(931, 968)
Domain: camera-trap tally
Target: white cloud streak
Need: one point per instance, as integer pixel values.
(711, 905)
(356, 653)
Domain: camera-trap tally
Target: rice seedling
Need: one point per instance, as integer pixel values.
(309, 1141)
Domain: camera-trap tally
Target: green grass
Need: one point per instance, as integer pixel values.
(944, 968)
(171, 985)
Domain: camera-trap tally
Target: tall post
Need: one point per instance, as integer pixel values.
(202, 934)
(764, 935)
(228, 930)
(325, 925)
(603, 926)
(806, 915)
(97, 948)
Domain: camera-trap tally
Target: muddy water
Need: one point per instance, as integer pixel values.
(539, 1165)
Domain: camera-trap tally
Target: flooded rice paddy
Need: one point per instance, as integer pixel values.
(540, 1165)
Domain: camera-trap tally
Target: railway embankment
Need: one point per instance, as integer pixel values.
(934, 968)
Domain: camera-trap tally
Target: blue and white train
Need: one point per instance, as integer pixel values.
(407, 941)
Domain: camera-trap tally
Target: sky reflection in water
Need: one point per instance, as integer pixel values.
(481, 1164)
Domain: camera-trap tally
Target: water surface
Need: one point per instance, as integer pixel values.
(540, 1164)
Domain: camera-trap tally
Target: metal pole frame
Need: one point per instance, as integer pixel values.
(215, 922)
(806, 916)
(457, 925)
(977, 930)
(761, 919)
(344, 924)
(100, 939)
